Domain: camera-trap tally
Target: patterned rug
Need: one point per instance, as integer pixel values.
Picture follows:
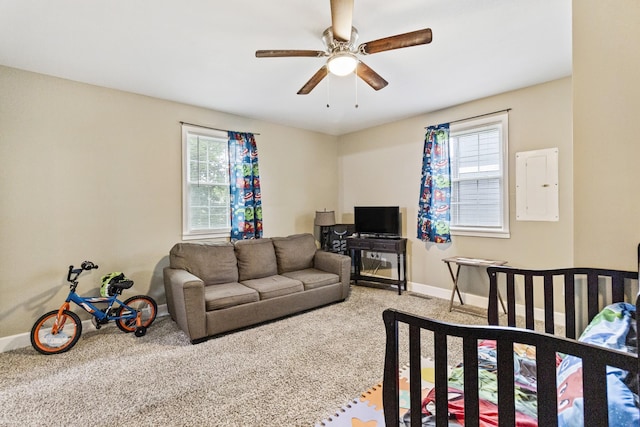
(367, 410)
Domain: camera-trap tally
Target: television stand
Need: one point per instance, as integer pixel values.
(380, 236)
(398, 246)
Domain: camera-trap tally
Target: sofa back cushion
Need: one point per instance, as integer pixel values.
(214, 263)
(256, 259)
(295, 252)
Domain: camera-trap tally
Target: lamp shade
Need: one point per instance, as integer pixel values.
(325, 218)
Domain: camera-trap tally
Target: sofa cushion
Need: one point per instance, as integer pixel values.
(313, 278)
(227, 295)
(294, 252)
(256, 259)
(274, 286)
(214, 263)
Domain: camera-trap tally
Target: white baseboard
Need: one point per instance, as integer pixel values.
(478, 301)
(13, 342)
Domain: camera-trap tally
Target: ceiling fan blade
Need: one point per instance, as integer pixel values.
(287, 53)
(372, 78)
(313, 81)
(342, 19)
(413, 38)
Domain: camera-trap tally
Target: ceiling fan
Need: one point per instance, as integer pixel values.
(341, 50)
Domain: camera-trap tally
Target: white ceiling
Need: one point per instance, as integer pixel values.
(203, 53)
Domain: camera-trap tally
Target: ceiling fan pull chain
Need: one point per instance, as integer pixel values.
(355, 82)
(328, 90)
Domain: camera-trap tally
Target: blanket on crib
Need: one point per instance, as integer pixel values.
(613, 327)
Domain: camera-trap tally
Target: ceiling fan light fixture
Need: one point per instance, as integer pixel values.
(342, 63)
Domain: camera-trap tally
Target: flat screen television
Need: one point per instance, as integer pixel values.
(378, 221)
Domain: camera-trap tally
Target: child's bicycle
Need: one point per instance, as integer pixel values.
(58, 330)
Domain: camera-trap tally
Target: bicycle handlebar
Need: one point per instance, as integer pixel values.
(86, 265)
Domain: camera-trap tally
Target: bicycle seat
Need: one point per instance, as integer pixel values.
(124, 284)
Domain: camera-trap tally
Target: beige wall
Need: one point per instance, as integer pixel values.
(93, 173)
(382, 166)
(606, 103)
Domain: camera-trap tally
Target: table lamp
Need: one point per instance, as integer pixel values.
(324, 220)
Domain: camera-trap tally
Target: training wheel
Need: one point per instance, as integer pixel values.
(140, 331)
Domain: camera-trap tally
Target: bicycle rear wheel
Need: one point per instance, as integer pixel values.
(69, 330)
(142, 303)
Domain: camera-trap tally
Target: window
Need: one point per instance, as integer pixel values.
(479, 172)
(205, 195)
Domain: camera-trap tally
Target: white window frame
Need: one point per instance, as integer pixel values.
(500, 121)
(187, 232)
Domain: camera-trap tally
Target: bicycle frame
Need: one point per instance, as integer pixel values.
(87, 304)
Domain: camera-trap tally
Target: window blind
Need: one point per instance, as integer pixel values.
(476, 171)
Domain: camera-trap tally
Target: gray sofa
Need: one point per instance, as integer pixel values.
(215, 288)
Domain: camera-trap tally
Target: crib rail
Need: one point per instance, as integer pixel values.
(600, 286)
(595, 360)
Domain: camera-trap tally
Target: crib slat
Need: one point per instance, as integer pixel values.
(506, 396)
(391, 389)
(594, 386)
(617, 288)
(570, 305)
(492, 308)
(511, 300)
(548, 304)
(528, 297)
(471, 403)
(415, 380)
(592, 292)
(546, 383)
(441, 379)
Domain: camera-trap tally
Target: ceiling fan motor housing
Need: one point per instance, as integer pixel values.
(334, 45)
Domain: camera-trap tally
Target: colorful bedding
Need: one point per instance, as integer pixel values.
(613, 327)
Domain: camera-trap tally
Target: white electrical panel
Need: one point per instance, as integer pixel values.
(537, 185)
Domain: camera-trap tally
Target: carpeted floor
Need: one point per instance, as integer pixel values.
(292, 372)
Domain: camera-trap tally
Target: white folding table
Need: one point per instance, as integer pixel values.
(470, 262)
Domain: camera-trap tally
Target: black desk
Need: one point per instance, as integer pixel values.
(398, 246)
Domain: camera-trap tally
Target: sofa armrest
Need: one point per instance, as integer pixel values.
(185, 296)
(336, 264)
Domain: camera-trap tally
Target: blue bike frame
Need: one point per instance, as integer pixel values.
(87, 304)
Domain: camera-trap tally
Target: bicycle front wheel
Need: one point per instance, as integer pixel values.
(68, 326)
(142, 303)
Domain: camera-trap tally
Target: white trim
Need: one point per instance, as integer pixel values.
(479, 301)
(499, 234)
(22, 340)
(499, 120)
(188, 234)
(225, 234)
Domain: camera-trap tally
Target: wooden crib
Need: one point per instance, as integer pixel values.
(600, 287)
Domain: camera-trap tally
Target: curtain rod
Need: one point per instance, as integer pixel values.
(478, 116)
(209, 127)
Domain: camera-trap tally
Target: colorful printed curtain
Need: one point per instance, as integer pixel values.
(435, 189)
(244, 177)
